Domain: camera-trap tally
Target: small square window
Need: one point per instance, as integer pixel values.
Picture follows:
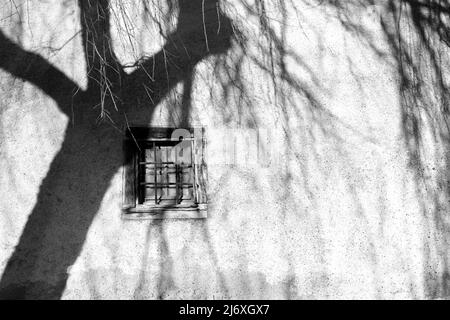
(164, 173)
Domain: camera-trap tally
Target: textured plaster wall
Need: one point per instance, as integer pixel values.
(333, 209)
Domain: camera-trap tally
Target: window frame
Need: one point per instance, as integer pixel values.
(131, 208)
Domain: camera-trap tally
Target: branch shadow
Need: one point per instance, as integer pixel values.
(71, 193)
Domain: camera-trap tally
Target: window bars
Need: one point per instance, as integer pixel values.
(164, 173)
(163, 177)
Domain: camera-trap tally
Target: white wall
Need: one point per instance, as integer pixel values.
(338, 209)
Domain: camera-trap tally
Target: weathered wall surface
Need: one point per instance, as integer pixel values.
(346, 202)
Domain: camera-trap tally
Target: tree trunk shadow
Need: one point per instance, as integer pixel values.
(68, 200)
(71, 193)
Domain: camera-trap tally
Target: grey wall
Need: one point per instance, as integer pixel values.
(348, 197)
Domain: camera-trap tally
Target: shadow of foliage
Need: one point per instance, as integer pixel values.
(417, 32)
(70, 196)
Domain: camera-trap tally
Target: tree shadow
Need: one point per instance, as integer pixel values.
(71, 193)
(418, 35)
(422, 60)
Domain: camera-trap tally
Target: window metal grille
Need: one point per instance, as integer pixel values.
(165, 175)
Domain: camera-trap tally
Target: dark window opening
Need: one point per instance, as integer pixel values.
(165, 172)
(163, 177)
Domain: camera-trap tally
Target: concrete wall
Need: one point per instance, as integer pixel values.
(347, 201)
